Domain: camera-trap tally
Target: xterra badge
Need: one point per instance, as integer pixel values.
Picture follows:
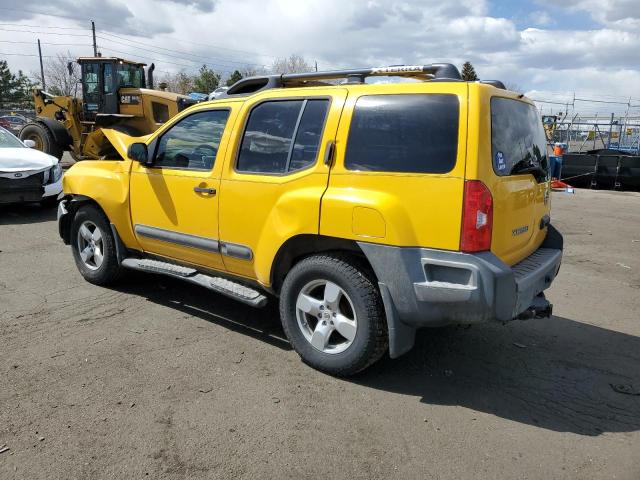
(520, 230)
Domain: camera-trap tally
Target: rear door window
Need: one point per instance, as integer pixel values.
(518, 142)
(404, 133)
(282, 136)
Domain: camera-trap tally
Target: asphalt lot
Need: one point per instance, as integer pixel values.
(158, 379)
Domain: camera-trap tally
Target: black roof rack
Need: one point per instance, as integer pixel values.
(437, 71)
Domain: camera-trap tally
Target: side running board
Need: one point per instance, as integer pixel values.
(221, 285)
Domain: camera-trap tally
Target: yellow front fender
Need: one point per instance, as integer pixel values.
(121, 141)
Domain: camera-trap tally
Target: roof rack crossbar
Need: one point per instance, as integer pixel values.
(435, 70)
(438, 71)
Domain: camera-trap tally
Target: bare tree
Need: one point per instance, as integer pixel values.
(514, 87)
(60, 79)
(180, 82)
(253, 71)
(292, 64)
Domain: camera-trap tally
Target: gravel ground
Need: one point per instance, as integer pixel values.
(157, 379)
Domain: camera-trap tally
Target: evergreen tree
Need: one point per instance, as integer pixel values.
(468, 72)
(14, 89)
(7, 82)
(23, 90)
(233, 78)
(207, 80)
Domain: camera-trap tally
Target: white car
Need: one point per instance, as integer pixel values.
(217, 93)
(27, 174)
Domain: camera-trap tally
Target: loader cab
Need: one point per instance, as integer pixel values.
(102, 77)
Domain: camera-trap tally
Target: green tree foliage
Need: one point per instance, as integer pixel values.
(468, 72)
(15, 89)
(233, 78)
(206, 81)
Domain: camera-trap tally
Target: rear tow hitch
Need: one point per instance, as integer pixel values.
(540, 308)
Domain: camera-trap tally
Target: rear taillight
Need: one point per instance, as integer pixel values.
(477, 217)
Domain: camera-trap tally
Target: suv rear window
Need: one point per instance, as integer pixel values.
(518, 142)
(404, 133)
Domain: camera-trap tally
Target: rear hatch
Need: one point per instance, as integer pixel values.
(519, 180)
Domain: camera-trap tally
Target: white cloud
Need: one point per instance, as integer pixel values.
(611, 13)
(229, 33)
(541, 18)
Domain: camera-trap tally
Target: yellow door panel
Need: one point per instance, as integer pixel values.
(174, 203)
(260, 211)
(167, 201)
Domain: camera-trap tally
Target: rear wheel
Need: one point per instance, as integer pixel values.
(43, 139)
(333, 314)
(93, 246)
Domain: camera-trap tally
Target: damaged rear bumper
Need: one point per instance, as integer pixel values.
(428, 288)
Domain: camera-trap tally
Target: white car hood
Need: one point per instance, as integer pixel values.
(25, 160)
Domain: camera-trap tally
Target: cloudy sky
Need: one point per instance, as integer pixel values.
(550, 49)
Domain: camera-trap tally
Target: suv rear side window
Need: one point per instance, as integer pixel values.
(518, 142)
(282, 136)
(404, 133)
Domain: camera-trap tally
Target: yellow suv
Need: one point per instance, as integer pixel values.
(368, 209)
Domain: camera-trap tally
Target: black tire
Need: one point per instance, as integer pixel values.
(358, 282)
(109, 270)
(43, 137)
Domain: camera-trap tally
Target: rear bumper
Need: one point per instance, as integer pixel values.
(427, 288)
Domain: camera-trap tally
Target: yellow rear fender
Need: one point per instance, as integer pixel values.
(107, 183)
(400, 210)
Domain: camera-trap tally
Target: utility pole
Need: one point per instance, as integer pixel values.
(93, 30)
(316, 65)
(44, 86)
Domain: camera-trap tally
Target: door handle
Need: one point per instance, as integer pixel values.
(329, 152)
(210, 191)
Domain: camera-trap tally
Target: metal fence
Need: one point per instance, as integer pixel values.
(585, 133)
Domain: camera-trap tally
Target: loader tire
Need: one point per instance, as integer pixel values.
(45, 142)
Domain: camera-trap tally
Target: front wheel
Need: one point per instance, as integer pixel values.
(93, 246)
(333, 315)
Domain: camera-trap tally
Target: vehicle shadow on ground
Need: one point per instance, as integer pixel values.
(24, 214)
(260, 323)
(556, 374)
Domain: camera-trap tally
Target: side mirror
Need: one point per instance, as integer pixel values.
(29, 143)
(138, 152)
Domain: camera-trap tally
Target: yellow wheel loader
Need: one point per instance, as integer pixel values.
(116, 98)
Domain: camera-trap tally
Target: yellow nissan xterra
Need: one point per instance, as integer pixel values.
(368, 209)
